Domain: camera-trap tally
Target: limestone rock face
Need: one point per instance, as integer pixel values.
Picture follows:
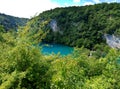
(112, 41)
(53, 25)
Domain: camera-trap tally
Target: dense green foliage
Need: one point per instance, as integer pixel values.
(11, 22)
(22, 66)
(81, 26)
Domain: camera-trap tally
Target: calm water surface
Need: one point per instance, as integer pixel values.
(56, 48)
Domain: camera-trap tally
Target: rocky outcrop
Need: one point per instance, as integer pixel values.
(53, 25)
(112, 41)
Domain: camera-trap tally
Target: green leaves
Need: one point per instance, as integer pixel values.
(80, 26)
(23, 66)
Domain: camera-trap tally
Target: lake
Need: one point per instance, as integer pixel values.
(56, 48)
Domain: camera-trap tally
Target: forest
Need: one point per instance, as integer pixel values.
(23, 66)
(78, 26)
(11, 22)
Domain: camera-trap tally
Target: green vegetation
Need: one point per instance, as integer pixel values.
(81, 26)
(11, 22)
(23, 66)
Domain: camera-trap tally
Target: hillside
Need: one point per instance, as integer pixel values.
(24, 66)
(80, 26)
(11, 22)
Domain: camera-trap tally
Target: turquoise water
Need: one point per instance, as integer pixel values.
(56, 48)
